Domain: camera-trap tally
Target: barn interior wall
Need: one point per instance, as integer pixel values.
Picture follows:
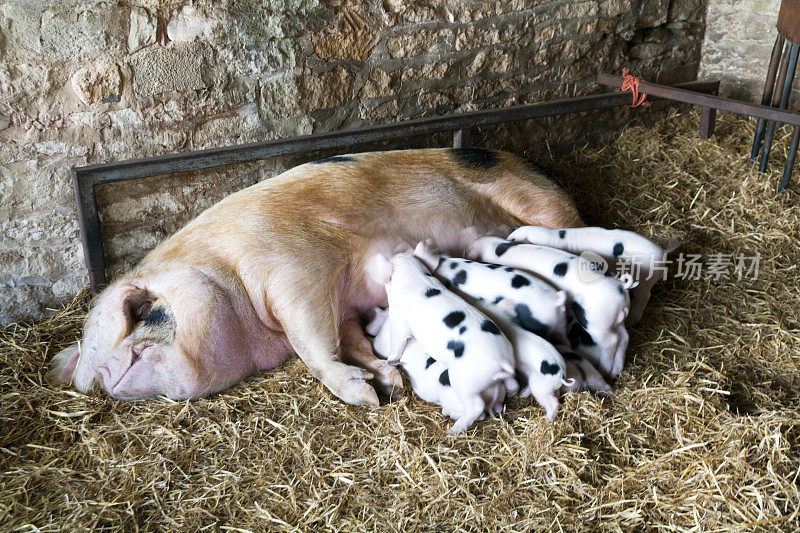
(92, 81)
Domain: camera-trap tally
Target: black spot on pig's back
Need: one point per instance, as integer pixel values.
(550, 369)
(562, 234)
(490, 327)
(519, 281)
(460, 278)
(475, 158)
(618, 249)
(503, 247)
(454, 318)
(529, 322)
(431, 292)
(560, 269)
(457, 347)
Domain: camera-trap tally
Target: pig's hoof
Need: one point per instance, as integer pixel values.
(368, 396)
(349, 383)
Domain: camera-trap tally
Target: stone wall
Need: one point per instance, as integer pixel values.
(90, 81)
(738, 44)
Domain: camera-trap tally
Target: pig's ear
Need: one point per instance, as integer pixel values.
(424, 252)
(63, 365)
(379, 269)
(507, 307)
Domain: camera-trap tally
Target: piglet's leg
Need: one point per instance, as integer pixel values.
(619, 355)
(399, 333)
(358, 350)
(473, 409)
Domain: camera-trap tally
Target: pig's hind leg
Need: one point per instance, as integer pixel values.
(358, 349)
(474, 407)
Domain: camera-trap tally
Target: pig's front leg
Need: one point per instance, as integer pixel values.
(307, 318)
(357, 348)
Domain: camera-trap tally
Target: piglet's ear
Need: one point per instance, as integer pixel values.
(424, 252)
(507, 307)
(379, 269)
(63, 365)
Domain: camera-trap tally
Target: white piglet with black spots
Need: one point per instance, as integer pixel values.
(429, 378)
(540, 307)
(598, 303)
(581, 374)
(477, 354)
(540, 367)
(641, 256)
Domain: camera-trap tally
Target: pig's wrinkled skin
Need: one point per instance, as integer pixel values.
(279, 267)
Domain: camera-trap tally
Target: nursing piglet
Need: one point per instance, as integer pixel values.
(477, 354)
(599, 304)
(614, 246)
(540, 308)
(582, 374)
(539, 363)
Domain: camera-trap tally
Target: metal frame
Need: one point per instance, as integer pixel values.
(87, 178)
(767, 115)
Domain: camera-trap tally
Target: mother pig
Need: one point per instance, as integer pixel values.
(279, 267)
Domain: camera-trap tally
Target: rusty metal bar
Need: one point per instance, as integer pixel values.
(708, 119)
(766, 98)
(86, 178)
(783, 104)
(462, 138)
(787, 170)
(706, 100)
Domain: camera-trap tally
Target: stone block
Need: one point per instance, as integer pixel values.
(190, 24)
(180, 67)
(141, 30)
(95, 83)
(349, 36)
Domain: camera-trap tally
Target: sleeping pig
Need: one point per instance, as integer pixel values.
(278, 268)
(478, 356)
(615, 246)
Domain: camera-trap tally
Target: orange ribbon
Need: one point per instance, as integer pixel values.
(631, 83)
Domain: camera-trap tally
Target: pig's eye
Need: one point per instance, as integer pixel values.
(139, 350)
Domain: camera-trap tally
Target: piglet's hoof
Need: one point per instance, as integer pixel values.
(388, 380)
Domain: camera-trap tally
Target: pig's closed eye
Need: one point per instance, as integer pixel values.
(138, 351)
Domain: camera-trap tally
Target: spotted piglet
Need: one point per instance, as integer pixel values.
(477, 354)
(614, 246)
(540, 308)
(582, 374)
(598, 303)
(429, 378)
(541, 368)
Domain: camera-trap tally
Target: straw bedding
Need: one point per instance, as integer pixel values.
(703, 430)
